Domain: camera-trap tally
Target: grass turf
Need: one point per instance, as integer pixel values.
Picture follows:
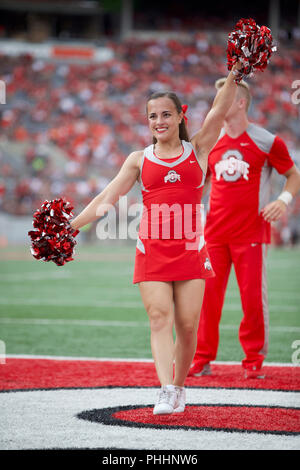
(89, 307)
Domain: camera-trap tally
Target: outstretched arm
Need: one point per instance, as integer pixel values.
(119, 186)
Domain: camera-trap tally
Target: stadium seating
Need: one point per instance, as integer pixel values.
(67, 127)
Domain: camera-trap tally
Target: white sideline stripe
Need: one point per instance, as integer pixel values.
(35, 276)
(71, 358)
(112, 304)
(67, 303)
(121, 359)
(44, 276)
(116, 323)
(60, 321)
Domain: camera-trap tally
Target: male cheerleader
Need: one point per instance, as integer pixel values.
(237, 230)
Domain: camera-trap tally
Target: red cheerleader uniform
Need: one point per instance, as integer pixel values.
(170, 244)
(236, 233)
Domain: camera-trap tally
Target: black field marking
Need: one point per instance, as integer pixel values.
(105, 416)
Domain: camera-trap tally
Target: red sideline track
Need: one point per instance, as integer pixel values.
(29, 373)
(275, 420)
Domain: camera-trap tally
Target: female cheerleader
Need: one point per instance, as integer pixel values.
(171, 262)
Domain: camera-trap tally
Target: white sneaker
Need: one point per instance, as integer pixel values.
(166, 400)
(180, 400)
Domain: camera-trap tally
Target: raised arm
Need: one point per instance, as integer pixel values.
(118, 187)
(207, 136)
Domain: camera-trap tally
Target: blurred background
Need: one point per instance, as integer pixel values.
(75, 76)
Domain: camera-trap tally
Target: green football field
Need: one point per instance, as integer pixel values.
(90, 308)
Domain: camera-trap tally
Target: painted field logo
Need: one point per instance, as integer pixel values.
(74, 403)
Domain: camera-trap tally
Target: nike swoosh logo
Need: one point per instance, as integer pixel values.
(244, 143)
(192, 161)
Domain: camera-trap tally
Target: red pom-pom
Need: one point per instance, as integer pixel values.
(251, 45)
(54, 238)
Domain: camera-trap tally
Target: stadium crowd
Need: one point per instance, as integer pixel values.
(67, 127)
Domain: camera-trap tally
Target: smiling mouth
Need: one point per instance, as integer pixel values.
(161, 129)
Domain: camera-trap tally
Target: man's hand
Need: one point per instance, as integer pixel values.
(274, 210)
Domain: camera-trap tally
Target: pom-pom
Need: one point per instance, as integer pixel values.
(54, 238)
(251, 45)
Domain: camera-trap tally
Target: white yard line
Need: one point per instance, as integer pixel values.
(122, 304)
(115, 324)
(71, 303)
(67, 322)
(35, 276)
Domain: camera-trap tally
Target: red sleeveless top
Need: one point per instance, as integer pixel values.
(171, 190)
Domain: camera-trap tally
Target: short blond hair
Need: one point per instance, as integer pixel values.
(243, 86)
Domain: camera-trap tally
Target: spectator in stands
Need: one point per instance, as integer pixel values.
(47, 100)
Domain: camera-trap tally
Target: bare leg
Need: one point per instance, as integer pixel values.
(188, 296)
(158, 301)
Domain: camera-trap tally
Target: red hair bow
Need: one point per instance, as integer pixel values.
(184, 108)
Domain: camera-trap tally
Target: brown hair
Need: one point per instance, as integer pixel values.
(242, 87)
(183, 133)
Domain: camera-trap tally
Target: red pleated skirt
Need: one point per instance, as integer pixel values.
(171, 260)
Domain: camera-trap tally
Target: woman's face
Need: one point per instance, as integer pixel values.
(163, 119)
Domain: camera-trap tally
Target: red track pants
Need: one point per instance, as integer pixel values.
(249, 262)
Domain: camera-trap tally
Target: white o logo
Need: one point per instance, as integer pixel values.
(231, 174)
(172, 177)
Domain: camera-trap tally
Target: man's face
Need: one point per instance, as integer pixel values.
(238, 106)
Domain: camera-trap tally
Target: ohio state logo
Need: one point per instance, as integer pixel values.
(172, 177)
(232, 166)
